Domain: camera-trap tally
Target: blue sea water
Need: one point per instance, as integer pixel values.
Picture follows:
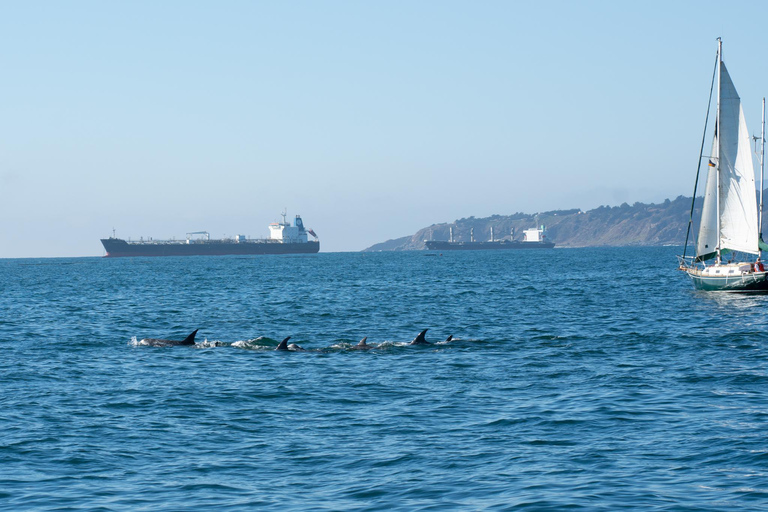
(593, 379)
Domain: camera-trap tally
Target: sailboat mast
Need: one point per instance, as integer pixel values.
(698, 164)
(762, 167)
(717, 131)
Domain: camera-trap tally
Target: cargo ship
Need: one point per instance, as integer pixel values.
(532, 239)
(283, 239)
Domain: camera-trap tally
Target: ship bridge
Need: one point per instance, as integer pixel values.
(285, 233)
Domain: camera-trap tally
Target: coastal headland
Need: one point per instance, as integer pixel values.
(639, 224)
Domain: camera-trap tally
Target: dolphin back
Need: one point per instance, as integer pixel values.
(420, 340)
(190, 340)
(283, 344)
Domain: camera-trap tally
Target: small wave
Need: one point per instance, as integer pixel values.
(342, 345)
(387, 344)
(211, 344)
(551, 442)
(453, 340)
(354, 346)
(503, 422)
(260, 343)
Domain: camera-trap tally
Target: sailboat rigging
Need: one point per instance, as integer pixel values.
(730, 227)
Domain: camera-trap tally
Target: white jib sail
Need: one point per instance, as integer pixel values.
(706, 242)
(738, 201)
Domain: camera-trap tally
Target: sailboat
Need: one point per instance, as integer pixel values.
(729, 244)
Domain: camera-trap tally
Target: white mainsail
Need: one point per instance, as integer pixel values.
(738, 202)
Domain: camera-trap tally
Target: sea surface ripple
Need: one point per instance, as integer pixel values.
(592, 379)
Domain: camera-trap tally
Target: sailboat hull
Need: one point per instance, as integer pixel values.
(735, 282)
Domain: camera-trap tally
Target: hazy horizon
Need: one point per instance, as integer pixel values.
(370, 120)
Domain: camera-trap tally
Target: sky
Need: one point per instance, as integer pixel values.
(370, 119)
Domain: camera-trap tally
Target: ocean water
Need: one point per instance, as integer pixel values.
(593, 379)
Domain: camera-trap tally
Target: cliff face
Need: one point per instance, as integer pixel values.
(639, 224)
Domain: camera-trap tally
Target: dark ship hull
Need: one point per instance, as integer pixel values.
(442, 245)
(117, 247)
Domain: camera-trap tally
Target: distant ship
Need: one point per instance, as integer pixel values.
(532, 239)
(283, 239)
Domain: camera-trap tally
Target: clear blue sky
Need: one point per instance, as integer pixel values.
(370, 119)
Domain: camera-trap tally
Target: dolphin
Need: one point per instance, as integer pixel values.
(419, 340)
(154, 342)
(362, 345)
(285, 346)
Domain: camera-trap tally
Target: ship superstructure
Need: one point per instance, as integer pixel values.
(532, 239)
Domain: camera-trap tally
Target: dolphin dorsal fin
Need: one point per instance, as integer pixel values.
(190, 340)
(449, 338)
(420, 340)
(283, 344)
(363, 342)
